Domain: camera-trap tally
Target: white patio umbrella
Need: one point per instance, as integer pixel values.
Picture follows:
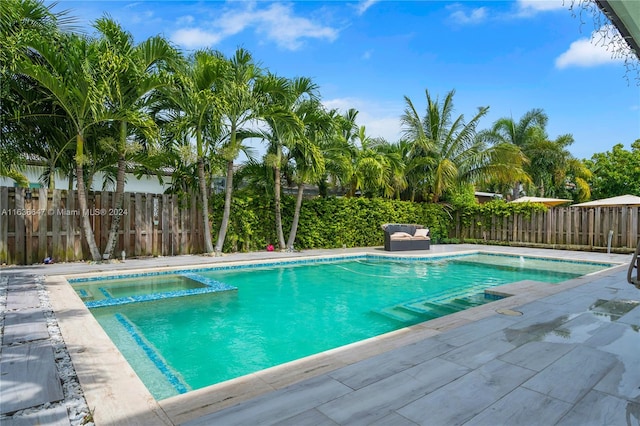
(621, 200)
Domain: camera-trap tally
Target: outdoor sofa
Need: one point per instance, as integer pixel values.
(402, 236)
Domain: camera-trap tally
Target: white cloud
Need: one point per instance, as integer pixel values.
(475, 16)
(531, 7)
(194, 37)
(287, 30)
(144, 16)
(367, 55)
(587, 53)
(185, 20)
(277, 22)
(379, 120)
(522, 9)
(364, 5)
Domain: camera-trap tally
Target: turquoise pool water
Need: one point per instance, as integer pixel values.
(279, 314)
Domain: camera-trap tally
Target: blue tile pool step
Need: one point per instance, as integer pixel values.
(209, 282)
(158, 361)
(418, 310)
(210, 286)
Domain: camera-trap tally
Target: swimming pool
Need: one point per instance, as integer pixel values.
(284, 312)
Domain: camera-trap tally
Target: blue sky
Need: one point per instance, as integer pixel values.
(512, 56)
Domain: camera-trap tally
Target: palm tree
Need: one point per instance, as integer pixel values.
(72, 82)
(448, 153)
(400, 161)
(519, 134)
(377, 169)
(280, 100)
(450, 143)
(20, 21)
(240, 109)
(553, 168)
(307, 155)
(339, 150)
(194, 105)
(130, 74)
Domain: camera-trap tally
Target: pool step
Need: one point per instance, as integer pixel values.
(424, 309)
(404, 316)
(435, 309)
(209, 282)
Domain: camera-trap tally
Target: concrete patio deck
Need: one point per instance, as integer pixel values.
(571, 358)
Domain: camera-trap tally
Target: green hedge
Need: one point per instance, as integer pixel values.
(324, 222)
(350, 222)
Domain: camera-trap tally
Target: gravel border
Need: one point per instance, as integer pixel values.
(74, 401)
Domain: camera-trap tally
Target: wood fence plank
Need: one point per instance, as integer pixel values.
(56, 232)
(576, 225)
(106, 218)
(606, 225)
(194, 221)
(175, 225)
(505, 229)
(634, 226)
(149, 223)
(43, 206)
(166, 225)
(76, 228)
(560, 226)
(138, 211)
(631, 237)
(591, 227)
(20, 227)
(615, 226)
(187, 231)
(4, 225)
(126, 225)
(495, 228)
(547, 226)
(597, 230)
(70, 229)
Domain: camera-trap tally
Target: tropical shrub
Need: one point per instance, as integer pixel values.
(325, 222)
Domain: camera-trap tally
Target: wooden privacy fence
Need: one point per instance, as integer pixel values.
(48, 225)
(571, 227)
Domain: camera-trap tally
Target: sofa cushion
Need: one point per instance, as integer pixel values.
(421, 232)
(400, 236)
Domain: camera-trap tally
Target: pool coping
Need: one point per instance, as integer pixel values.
(117, 395)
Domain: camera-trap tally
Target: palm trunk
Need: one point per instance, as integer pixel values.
(516, 191)
(52, 176)
(82, 200)
(277, 202)
(323, 187)
(208, 244)
(115, 218)
(118, 196)
(228, 189)
(296, 217)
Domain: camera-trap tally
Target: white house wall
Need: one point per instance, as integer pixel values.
(147, 184)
